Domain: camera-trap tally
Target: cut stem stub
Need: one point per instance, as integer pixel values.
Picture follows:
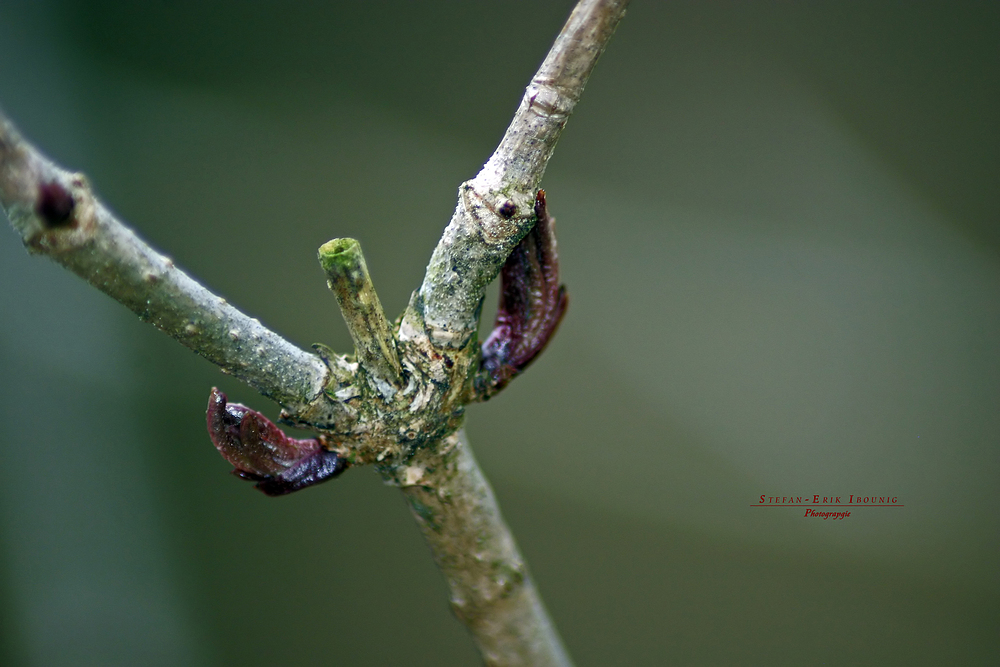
(347, 276)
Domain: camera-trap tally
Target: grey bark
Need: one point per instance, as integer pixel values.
(399, 404)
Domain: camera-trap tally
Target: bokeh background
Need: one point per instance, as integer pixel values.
(780, 228)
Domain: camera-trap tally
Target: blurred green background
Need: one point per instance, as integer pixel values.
(780, 228)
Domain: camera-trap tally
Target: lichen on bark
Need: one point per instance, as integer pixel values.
(398, 402)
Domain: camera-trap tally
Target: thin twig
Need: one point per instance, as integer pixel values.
(57, 215)
(480, 236)
(491, 589)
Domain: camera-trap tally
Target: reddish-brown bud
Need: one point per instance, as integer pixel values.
(532, 303)
(261, 452)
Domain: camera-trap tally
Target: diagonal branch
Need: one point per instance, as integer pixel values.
(492, 591)
(520, 160)
(495, 209)
(57, 215)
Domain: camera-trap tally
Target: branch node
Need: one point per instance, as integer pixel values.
(55, 205)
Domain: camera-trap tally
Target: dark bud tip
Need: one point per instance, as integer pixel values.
(320, 467)
(507, 210)
(54, 205)
(540, 210)
(261, 452)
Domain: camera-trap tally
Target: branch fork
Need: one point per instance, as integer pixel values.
(398, 402)
(400, 392)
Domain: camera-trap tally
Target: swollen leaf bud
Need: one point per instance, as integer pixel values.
(261, 452)
(532, 303)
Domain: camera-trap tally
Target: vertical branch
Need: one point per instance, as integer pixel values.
(492, 592)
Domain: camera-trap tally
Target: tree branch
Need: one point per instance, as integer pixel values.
(400, 403)
(57, 215)
(495, 208)
(491, 590)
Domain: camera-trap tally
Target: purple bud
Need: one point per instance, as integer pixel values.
(261, 452)
(532, 303)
